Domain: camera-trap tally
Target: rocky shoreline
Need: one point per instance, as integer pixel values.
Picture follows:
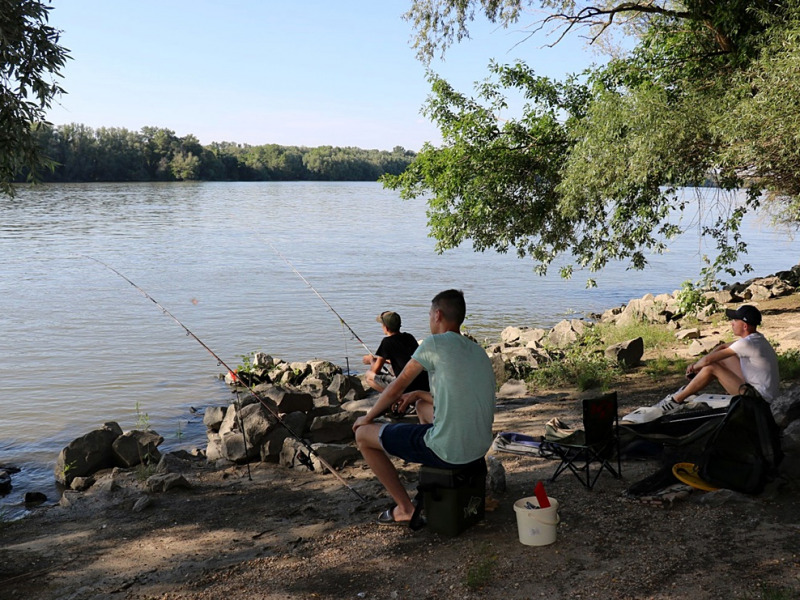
(188, 527)
(317, 403)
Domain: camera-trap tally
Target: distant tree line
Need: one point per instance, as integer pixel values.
(80, 154)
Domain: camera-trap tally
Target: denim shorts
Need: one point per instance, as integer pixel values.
(407, 441)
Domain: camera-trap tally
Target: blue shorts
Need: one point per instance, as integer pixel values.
(407, 441)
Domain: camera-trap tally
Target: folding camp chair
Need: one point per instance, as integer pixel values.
(597, 442)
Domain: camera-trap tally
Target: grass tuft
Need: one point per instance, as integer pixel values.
(481, 573)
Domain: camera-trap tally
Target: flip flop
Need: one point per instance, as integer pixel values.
(387, 517)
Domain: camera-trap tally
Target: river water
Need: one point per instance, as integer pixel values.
(80, 346)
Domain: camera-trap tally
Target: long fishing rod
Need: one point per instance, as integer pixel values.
(221, 362)
(313, 289)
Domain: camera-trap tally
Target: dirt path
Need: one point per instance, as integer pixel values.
(297, 535)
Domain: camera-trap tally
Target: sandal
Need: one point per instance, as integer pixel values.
(387, 517)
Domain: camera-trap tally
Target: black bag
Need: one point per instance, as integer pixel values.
(744, 451)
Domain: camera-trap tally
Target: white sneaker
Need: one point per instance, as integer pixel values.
(668, 406)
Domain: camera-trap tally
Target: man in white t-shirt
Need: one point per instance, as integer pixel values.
(750, 359)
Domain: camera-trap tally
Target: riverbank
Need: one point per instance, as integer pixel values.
(270, 532)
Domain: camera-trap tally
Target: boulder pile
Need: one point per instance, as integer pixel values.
(312, 400)
(523, 349)
(317, 402)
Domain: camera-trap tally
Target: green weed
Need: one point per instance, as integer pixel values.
(584, 370)
(789, 365)
(661, 366)
(179, 432)
(145, 469)
(655, 336)
(246, 366)
(142, 419)
(691, 299)
(480, 574)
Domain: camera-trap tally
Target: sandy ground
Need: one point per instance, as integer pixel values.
(277, 533)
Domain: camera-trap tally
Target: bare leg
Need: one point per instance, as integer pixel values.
(425, 412)
(370, 446)
(370, 377)
(728, 372)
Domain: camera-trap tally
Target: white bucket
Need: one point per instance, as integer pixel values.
(536, 526)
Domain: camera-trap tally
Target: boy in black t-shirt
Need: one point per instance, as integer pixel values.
(396, 349)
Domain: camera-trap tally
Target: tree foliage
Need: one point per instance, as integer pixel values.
(30, 62)
(80, 153)
(590, 166)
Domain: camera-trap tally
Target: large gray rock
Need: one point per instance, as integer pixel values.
(323, 370)
(346, 387)
(692, 333)
(288, 401)
(790, 439)
(262, 360)
(612, 314)
(360, 406)
(786, 407)
(726, 296)
(765, 288)
(513, 388)
(87, 454)
(296, 456)
(164, 483)
(566, 333)
(628, 353)
(176, 462)
(510, 335)
(499, 368)
(233, 447)
(702, 346)
(313, 386)
(527, 354)
(137, 447)
(273, 442)
(334, 428)
(214, 448)
(213, 416)
(336, 455)
(532, 338)
(790, 442)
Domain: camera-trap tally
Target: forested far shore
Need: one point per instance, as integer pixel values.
(78, 153)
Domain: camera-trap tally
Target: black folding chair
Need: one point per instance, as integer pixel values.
(598, 442)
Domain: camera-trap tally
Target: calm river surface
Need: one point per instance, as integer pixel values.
(79, 346)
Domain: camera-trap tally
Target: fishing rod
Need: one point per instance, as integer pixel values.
(313, 289)
(256, 395)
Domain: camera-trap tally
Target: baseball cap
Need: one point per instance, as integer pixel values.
(390, 319)
(749, 314)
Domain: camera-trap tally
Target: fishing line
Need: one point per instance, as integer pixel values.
(344, 323)
(320, 296)
(221, 362)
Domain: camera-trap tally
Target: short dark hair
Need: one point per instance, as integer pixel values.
(452, 305)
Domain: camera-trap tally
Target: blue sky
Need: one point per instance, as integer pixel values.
(290, 72)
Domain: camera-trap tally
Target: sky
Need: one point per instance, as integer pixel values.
(289, 72)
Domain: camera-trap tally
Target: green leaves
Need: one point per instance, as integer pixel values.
(494, 180)
(30, 62)
(590, 167)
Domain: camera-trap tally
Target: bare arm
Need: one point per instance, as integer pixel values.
(719, 353)
(391, 394)
(377, 364)
(414, 397)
